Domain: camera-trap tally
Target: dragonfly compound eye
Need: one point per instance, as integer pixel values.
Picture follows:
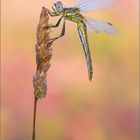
(59, 6)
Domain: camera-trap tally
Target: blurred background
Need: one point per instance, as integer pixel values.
(74, 109)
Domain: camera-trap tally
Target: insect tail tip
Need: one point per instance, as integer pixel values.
(90, 78)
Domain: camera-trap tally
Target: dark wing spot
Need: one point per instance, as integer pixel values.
(109, 23)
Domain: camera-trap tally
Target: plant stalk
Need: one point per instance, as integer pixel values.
(43, 56)
(34, 117)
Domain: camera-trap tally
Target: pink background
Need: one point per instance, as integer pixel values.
(74, 109)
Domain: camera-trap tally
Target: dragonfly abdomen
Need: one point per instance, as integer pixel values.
(73, 14)
(82, 30)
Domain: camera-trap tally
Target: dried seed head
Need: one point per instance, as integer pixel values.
(43, 55)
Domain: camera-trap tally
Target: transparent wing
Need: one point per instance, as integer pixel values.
(88, 5)
(68, 5)
(100, 26)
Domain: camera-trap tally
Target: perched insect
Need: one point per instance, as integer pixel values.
(74, 14)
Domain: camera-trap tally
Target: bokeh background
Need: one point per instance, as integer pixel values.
(74, 109)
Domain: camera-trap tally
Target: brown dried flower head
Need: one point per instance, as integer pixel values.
(43, 55)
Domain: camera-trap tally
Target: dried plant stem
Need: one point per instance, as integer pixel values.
(34, 117)
(43, 57)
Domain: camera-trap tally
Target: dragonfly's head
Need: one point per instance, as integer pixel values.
(58, 7)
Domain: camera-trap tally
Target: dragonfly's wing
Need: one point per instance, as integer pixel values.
(82, 30)
(88, 5)
(100, 26)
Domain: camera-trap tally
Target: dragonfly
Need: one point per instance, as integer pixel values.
(75, 14)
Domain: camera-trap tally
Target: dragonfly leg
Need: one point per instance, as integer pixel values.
(62, 34)
(50, 12)
(56, 25)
